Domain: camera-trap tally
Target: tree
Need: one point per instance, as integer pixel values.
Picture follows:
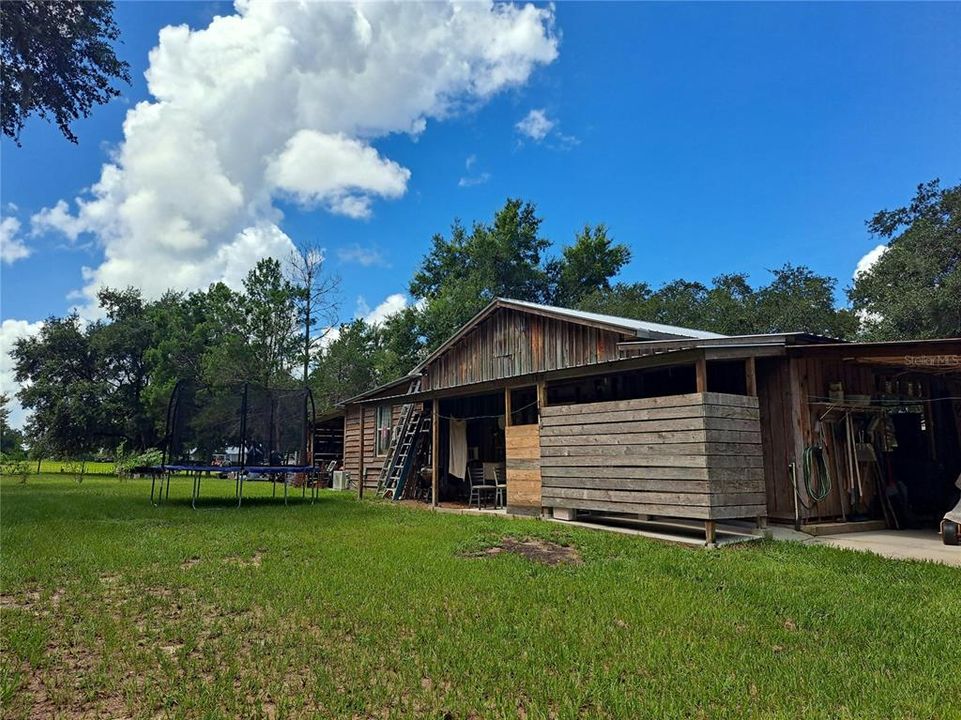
(11, 439)
(316, 297)
(914, 288)
(57, 60)
(796, 300)
(731, 305)
(121, 347)
(246, 337)
(460, 275)
(587, 266)
(345, 367)
(507, 258)
(799, 300)
(399, 345)
(270, 323)
(622, 300)
(62, 383)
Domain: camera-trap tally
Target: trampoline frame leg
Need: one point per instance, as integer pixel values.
(240, 489)
(196, 491)
(159, 487)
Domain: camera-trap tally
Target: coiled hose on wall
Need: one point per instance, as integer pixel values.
(813, 464)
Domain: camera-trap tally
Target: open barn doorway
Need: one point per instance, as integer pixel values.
(471, 450)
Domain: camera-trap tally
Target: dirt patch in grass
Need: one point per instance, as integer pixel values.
(253, 561)
(534, 549)
(31, 601)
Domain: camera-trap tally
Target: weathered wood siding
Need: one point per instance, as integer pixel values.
(777, 434)
(794, 394)
(523, 454)
(511, 343)
(352, 435)
(691, 456)
(361, 422)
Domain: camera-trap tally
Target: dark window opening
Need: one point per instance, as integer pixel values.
(727, 376)
(675, 380)
(524, 406)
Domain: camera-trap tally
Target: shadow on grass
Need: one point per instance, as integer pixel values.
(228, 502)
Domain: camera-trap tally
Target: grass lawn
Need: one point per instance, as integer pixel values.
(114, 608)
(70, 468)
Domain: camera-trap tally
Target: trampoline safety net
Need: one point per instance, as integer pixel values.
(239, 426)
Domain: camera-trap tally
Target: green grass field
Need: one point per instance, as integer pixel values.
(114, 608)
(68, 467)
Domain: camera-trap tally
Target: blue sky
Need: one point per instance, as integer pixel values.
(711, 138)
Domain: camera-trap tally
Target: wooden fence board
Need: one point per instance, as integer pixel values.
(697, 455)
(523, 465)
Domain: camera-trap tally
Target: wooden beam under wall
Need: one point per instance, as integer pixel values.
(507, 407)
(434, 452)
(700, 370)
(750, 376)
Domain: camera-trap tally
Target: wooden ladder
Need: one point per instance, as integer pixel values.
(403, 448)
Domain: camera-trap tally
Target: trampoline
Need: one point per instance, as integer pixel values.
(238, 432)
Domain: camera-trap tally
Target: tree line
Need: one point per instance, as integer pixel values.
(104, 385)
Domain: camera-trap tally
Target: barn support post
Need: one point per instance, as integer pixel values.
(710, 532)
(507, 407)
(541, 398)
(750, 376)
(700, 371)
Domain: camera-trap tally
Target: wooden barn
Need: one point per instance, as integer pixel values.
(550, 411)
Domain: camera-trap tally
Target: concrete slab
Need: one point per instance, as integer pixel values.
(899, 544)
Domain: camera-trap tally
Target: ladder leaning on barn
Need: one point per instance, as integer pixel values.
(402, 452)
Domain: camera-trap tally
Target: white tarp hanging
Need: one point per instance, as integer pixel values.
(457, 460)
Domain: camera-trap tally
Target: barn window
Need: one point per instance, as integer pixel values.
(382, 437)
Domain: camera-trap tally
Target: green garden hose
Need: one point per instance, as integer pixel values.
(813, 463)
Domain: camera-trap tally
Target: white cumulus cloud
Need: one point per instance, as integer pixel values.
(59, 219)
(391, 305)
(372, 316)
(283, 100)
(868, 260)
(354, 173)
(12, 248)
(10, 332)
(535, 125)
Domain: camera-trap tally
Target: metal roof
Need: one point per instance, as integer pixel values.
(641, 328)
(753, 340)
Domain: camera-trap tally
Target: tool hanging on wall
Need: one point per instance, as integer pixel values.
(854, 473)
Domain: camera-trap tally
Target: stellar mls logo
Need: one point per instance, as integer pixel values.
(932, 360)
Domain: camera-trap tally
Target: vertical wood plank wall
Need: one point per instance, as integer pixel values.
(352, 424)
(777, 435)
(360, 458)
(511, 343)
(523, 469)
(690, 456)
(790, 390)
